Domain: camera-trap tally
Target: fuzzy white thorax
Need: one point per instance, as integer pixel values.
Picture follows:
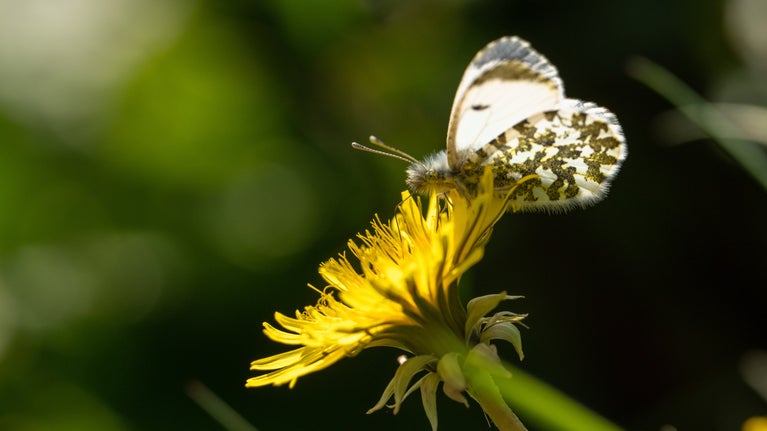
(431, 175)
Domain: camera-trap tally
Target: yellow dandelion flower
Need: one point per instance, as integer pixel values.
(402, 292)
(756, 423)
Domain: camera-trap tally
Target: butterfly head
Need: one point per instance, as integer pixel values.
(431, 175)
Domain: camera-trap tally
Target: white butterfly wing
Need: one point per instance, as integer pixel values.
(506, 82)
(569, 156)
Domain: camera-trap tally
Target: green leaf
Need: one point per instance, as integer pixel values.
(748, 154)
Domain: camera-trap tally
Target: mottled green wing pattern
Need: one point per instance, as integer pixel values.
(564, 157)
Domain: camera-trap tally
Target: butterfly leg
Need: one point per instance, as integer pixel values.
(507, 194)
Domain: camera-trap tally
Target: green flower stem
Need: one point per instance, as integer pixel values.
(546, 407)
(483, 389)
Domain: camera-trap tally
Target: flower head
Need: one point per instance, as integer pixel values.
(400, 289)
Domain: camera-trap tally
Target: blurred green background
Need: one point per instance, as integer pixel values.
(172, 173)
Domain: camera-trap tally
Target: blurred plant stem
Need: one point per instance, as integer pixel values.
(219, 410)
(546, 407)
(703, 114)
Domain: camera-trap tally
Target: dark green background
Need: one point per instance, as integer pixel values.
(148, 227)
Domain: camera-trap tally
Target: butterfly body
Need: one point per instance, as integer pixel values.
(433, 174)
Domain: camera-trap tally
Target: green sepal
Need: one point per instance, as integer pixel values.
(485, 357)
(507, 331)
(398, 386)
(478, 307)
(429, 385)
(449, 370)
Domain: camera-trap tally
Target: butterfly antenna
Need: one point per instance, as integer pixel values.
(361, 147)
(379, 143)
(391, 150)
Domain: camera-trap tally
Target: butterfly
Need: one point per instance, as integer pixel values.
(546, 151)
